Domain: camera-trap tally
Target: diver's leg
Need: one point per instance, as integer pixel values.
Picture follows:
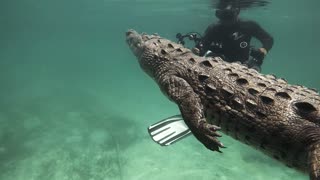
(179, 91)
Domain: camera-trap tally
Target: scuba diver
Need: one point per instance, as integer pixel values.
(230, 38)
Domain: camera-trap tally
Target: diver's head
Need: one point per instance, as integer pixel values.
(228, 14)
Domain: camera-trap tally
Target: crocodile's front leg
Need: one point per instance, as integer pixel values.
(179, 91)
(314, 161)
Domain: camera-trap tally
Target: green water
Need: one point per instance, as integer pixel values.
(75, 104)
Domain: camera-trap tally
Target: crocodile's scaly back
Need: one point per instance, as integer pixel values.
(262, 111)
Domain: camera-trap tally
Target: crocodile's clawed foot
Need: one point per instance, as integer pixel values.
(212, 143)
(209, 136)
(210, 129)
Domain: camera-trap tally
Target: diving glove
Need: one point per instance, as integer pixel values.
(258, 56)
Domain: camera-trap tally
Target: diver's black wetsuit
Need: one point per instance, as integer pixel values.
(233, 42)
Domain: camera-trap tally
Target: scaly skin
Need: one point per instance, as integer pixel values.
(267, 113)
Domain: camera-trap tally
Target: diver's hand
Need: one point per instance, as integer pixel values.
(195, 51)
(264, 51)
(258, 55)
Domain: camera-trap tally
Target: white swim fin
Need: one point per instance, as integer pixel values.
(169, 130)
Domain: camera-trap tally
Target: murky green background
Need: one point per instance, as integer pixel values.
(74, 104)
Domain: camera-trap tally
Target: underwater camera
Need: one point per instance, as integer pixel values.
(192, 36)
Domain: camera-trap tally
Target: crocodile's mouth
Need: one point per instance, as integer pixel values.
(135, 42)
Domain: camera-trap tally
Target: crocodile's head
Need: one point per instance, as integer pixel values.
(149, 50)
(135, 42)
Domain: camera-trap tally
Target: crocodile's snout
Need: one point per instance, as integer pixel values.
(135, 42)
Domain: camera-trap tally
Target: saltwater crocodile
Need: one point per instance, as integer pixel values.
(263, 111)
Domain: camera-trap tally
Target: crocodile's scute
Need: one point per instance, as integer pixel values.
(263, 111)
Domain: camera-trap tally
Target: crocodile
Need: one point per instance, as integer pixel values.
(265, 112)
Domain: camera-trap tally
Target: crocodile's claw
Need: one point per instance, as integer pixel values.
(207, 134)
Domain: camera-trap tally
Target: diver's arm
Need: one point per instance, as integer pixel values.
(207, 39)
(264, 37)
